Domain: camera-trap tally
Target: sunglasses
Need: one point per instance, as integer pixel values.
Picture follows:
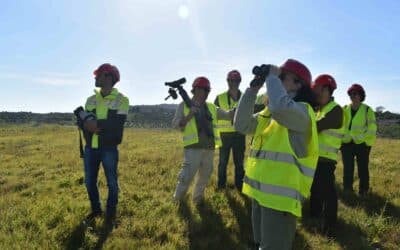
(353, 94)
(233, 80)
(298, 81)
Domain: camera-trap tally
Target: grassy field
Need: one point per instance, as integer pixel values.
(43, 199)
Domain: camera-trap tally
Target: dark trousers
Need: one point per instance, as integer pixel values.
(361, 153)
(324, 200)
(236, 142)
(92, 159)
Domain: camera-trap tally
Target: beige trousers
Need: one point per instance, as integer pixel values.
(195, 161)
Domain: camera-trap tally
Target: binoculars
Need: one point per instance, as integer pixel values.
(260, 74)
(262, 70)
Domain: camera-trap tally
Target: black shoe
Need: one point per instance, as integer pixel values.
(221, 187)
(254, 246)
(329, 229)
(93, 215)
(110, 221)
(200, 203)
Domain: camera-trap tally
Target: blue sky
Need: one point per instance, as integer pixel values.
(49, 49)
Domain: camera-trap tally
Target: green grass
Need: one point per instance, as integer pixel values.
(43, 199)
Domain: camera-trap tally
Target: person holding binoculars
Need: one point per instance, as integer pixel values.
(284, 151)
(102, 122)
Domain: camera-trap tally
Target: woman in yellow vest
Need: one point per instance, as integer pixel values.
(360, 135)
(323, 200)
(284, 152)
(199, 140)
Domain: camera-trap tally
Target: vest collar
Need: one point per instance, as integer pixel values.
(111, 96)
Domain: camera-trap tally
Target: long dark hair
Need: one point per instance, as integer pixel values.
(305, 94)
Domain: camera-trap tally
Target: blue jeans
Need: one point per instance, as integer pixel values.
(92, 159)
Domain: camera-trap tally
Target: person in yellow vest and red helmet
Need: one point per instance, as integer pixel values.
(284, 152)
(231, 139)
(323, 199)
(359, 137)
(103, 132)
(199, 140)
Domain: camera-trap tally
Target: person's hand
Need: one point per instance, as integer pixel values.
(265, 100)
(194, 110)
(232, 113)
(274, 70)
(91, 126)
(257, 83)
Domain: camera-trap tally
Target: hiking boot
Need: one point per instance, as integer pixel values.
(93, 215)
(199, 203)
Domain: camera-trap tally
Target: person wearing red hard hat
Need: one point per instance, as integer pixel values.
(359, 137)
(283, 153)
(323, 199)
(200, 138)
(231, 139)
(103, 132)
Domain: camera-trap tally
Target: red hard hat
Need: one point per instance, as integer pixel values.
(201, 82)
(108, 68)
(297, 68)
(325, 80)
(234, 75)
(356, 88)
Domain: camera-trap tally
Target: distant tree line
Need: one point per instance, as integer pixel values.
(143, 116)
(160, 116)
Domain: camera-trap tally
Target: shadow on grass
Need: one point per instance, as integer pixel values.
(372, 204)
(77, 236)
(103, 233)
(209, 232)
(76, 239)
(348, 236)
(300, 242)
(243, 217)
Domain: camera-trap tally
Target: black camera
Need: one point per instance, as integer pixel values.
(83, 116)
(177, 83)
(174, 85)
(260, 74)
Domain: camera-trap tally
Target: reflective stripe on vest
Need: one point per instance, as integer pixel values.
(282, 157)
(190, 133)
(275, 176)
(225, 126)
(330, 140)
(276, 190)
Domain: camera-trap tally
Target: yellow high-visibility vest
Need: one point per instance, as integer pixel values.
(275, 176)
(190, 132)
(262, 99)
(114, 101)
(363, 125)
(330, 140)
(226, 103)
